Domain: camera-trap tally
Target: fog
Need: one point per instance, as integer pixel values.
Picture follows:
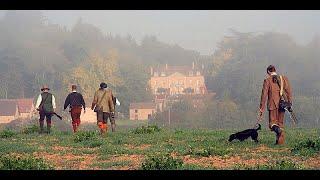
(193, 29)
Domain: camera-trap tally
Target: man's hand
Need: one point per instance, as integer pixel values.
(84, 111)
(260, 113)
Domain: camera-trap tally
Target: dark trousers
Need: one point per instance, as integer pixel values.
(46, 115)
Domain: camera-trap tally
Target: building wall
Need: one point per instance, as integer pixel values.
(6, 119)
(195, 82)
(142, 114)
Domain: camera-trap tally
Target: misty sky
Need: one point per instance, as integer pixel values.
(197, 30)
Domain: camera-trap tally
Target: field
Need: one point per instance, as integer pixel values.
(152, 147)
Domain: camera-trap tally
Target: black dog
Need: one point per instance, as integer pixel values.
(253, 133)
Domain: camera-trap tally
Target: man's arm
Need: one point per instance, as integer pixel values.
(38, 101)
(82, 102)
(111, 102)
(288, 90)
(264, 95)
(66, 102)
(95, 100)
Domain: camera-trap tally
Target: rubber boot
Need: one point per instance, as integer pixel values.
(48, 129)
(41, 127)
(113, 127)
(281, 138)
(278, 132)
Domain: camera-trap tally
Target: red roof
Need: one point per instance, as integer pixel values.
(24, 105)
(8, 108)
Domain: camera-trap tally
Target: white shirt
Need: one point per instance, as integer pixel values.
(40, 99)
(117, 102)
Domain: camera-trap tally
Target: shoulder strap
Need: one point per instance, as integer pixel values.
(280, 84)
(98, 103)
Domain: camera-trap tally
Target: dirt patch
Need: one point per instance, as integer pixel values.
(135, 161)
(264, 148)
(222, 163)
(68, 161)
(313, 163)
(61, 148)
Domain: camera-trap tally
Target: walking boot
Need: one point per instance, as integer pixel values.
(278, 132)
(48, 129)
(41, 128)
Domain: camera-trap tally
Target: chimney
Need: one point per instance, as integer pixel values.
(193, 65)
(166, 66)
(151, 71)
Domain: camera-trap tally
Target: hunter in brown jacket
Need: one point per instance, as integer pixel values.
(104, 107)
(271, 90)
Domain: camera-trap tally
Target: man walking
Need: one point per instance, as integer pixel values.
(46, 105)
(75, 102)
(273, 92)
(103, 105)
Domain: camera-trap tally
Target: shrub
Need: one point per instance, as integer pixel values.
(85, 136)
(8, 162)
(162, 162)
(7, 133)
(146, 129)
(30, 129)
(306, 147)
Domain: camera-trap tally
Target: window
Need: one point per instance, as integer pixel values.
(155, 73)
(163, 74)
(198, 73)
(136, 110)
(190, 73)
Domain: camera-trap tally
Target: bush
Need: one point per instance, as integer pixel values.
(306, 147)
(85, 136)
(7, 133)
(30, 129)
(162, 162)
(8, 162)
(146, 129)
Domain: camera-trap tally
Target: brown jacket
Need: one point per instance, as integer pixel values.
(271, 90)
(106, 103)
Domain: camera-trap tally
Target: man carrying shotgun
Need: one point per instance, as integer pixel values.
(46, 105)
(278, 91)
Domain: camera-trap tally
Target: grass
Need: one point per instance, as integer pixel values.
(150, 147)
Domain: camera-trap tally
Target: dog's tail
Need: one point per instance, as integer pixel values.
(259, 128)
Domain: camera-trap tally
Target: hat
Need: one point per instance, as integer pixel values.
(45, 87)
(103, 85)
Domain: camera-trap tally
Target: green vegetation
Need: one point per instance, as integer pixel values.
(7, 133)
(146, 129)
(85, 136)
(162, 162)
(9, 162)
(166, 149)
(31, 129)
